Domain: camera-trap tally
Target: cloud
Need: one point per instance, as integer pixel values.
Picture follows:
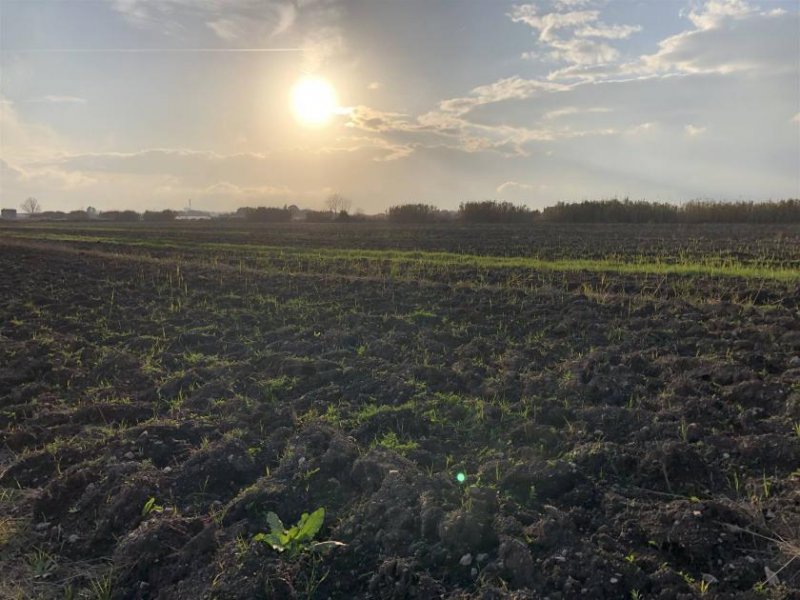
(571, 36)
(694, 130)
(370, 119)
(642, 128)
(514, 186)
(726, 36)
(726, 41)
(23, 139)
(60, 100)
(374, 85)
(714, 12)
(230, 20)
(549, 23)
(573, 110)
(14, 176)
(611, 32)
(583, 52)
(228, 195)
(510, 88)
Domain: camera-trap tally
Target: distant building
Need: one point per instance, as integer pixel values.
(8, 213)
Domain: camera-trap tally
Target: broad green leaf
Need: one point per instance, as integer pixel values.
(275, 523)
(309, 525)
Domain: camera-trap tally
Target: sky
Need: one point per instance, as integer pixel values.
(146, 104)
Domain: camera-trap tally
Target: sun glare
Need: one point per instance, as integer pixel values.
(314, 101)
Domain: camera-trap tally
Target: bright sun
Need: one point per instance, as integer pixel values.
(314, 101)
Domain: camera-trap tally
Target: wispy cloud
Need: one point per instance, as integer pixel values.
(714, 12)
(231, 20)
(694, 130)
(514, 186)
(571, 36)
(611, 32)
(573, 110)
(54, 99)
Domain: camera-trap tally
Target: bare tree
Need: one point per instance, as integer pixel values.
(337, 203)
(31, 206)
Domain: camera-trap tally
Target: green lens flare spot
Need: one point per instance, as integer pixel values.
(461, 477)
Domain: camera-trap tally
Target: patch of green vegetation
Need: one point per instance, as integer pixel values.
(296, 539)
(373, 260)
(391, 441)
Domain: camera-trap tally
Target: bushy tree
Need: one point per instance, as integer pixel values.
(413, 213)
(491, 211)
(128, 216)
(263, 214)
(159, 216)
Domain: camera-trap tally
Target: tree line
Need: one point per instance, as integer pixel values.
(606, 211)
(487, 211)
(695, 211)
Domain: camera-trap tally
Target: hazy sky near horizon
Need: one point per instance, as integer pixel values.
(146, 103)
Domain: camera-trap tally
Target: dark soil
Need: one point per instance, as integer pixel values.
(621, 436)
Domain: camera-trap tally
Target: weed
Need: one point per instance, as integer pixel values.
(391, 441)
(101, 588)
(42, 564)
(151, 507)
(298, 538)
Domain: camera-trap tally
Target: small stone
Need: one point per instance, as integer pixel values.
(613, 580)
(466, 560)
(42, 526)
(129, 455)
(73, 538)
(167, 470)
(725, 455)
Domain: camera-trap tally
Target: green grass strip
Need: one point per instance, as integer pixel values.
(709, 268)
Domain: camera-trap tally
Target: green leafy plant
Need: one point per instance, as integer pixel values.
(42, 564)
(298, 538)
(150, 506)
